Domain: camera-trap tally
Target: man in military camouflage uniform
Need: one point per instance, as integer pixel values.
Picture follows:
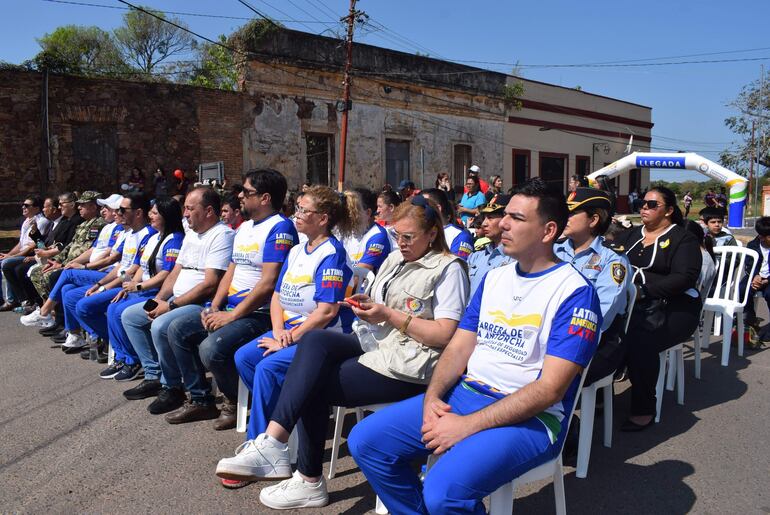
(44, 277)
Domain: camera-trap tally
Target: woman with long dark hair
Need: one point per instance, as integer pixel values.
(666, 262)
(158, 258)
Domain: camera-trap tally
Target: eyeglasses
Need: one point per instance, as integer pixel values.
(249, 193)
(407, 238)
(299, 210)
(122, 209)
(27, 205)
(650, 204)
(66, 202)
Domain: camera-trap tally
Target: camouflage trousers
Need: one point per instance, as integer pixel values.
(43, 282)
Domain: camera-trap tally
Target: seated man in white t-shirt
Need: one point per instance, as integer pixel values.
(529, 331)
(203, 260)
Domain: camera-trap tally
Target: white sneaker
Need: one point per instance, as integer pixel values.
(257, 459)
(295, 493)
(35, 319)
(74, 340)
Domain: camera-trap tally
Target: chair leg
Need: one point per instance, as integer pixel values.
(717, 324)
(293, 446)
(587, 410)
(242, 409)
(741, 330)
(708, 320)
(696, 350)
(678, 354)
(726, 337)
(608, 398)
(359, 415)
(671, 376)
(380, 508)
(558, 489)
(660, 384)
(339, 421)
(501, 500)
(110, 355)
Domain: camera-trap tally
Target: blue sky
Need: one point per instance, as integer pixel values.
(689, 101)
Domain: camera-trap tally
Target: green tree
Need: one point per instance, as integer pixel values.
(146, 42)
(751, 104)
(78, 50)
(215, 67)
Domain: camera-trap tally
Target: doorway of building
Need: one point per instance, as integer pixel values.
(95, 157)
(553, 169)
(320, 159)
(396, 161)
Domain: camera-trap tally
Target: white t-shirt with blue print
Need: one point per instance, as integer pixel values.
(165, 259)
(266, 241)
(308, 278)
(521, 318)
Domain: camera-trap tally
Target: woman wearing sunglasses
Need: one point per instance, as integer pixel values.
(409, 313)
(666, 262)
(310, 286)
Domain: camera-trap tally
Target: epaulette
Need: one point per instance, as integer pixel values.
(616, 247)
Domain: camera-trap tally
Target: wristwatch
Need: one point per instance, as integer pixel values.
(138, 286)
(102, 289)
(172, 305)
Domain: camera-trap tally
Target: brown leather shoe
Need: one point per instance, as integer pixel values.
(228, 416)
(192, 412)
(8, 306)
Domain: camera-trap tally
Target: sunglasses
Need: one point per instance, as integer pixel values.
(27, 205)
(122, 209)
(650, 204)
(407, 238)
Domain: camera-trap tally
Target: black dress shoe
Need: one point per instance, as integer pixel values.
(50, 331)
(168, 399)
(630, 426)
(147, 388)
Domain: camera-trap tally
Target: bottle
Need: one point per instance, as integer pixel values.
(93, 347)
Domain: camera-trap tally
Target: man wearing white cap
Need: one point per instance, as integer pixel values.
(483, 185)
(89, 267)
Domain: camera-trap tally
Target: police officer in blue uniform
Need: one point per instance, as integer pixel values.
(583, 245)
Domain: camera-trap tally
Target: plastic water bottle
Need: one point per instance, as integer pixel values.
(93, 347)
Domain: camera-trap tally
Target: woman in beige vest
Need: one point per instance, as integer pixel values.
(406, 318)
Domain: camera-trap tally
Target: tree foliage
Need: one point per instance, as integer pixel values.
(751, 104)
(215, 67)
(146, 41)
(79, 50)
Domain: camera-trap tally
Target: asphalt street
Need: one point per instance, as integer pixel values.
(70, 443)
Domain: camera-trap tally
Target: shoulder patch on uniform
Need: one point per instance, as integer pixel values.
(618, 272)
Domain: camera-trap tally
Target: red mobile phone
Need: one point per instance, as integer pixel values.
(353, 302)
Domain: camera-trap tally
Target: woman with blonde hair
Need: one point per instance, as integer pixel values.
(408, 314)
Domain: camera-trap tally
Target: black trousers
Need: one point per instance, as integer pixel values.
(610, 353)
(22, 287)
(325, 372)
(644, 347)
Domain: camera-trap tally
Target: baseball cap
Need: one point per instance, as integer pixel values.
(112, 202)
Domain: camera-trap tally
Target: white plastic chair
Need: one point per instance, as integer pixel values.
(339, 421)
(727, 299)
(700, 338)
(672, 358)
(501, 500)
(242, 408)
(588, 402)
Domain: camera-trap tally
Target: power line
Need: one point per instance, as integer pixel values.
(244, 2)
(176, 13)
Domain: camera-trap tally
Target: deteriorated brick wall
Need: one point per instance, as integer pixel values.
(100, 129)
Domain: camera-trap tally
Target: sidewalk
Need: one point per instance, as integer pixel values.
(73, 444)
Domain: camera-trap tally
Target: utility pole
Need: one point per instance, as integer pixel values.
(351, 18)
(751, 165)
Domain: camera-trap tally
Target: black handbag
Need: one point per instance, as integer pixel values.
(649, 315)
